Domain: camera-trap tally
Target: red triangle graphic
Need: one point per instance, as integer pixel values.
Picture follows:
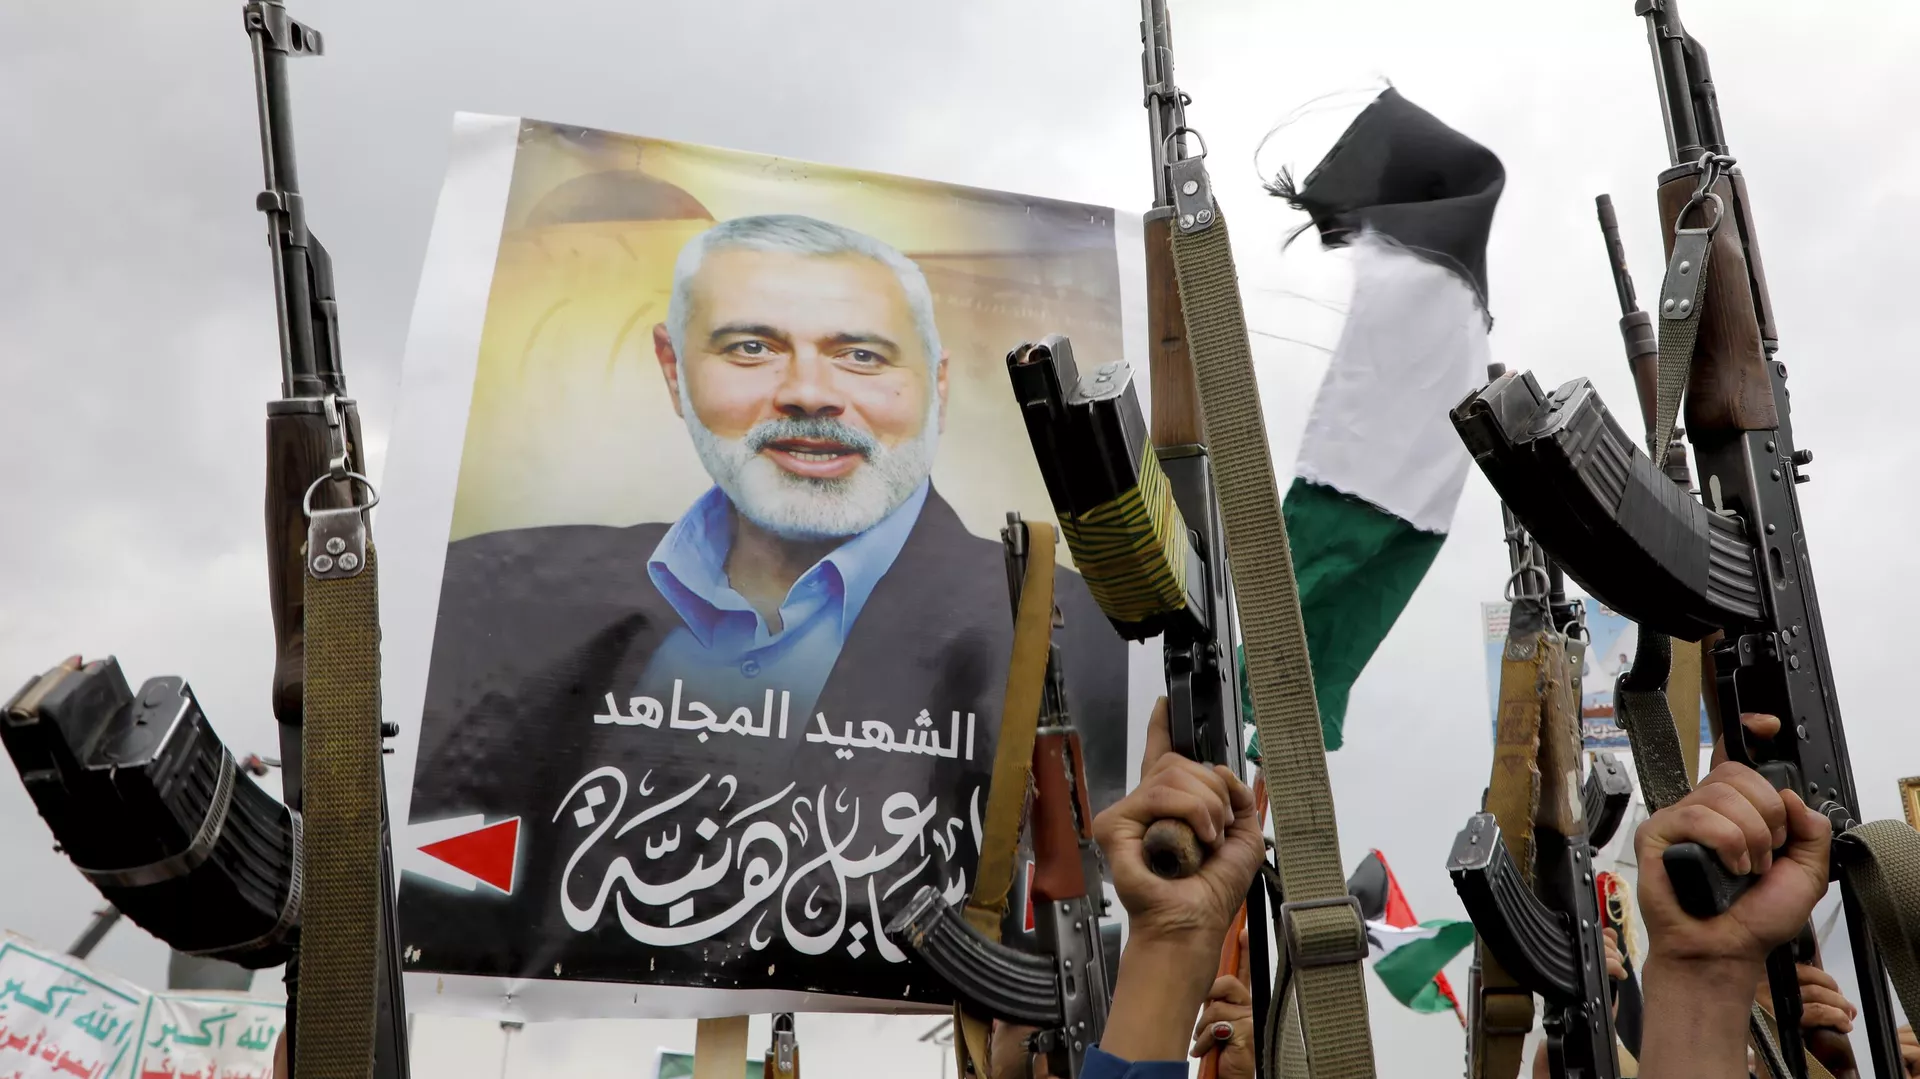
(487, 853)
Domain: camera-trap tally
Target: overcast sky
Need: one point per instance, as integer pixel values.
(138, 335)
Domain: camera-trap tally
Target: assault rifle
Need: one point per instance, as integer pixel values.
(1643, 360)
(1151, 512)
(1065, 988)
(140, 791)
(1736, 564)
(1151, 574)
(1530, 891)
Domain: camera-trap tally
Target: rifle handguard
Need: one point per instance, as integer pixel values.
(1606, 511)
(1533, 943)
(989, 977)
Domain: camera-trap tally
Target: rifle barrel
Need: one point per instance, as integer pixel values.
(302, 271)
(1668, 40)
(1636, 326)
(103, 922)
(1616, 255)
(1156, 71)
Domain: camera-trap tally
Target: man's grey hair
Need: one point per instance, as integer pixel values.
(800, 235)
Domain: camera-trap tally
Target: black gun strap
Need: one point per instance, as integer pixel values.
(1643, 711)
(1641, 699)
(1320, 924)
(1682, 295)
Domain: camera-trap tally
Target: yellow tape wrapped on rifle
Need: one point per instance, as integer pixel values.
(1132, 548)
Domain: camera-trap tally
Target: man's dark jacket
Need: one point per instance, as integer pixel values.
(536, 625)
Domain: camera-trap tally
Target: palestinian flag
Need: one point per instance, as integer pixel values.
(1380, 468)
(1408, 955)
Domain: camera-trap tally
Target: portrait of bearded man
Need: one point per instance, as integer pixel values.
(822, 563)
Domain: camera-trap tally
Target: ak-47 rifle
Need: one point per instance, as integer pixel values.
(321, 585)
(1736, 565)
(1524, 867)
(1064, 989)
(1151, 512)
(1643, 359)
(140, 791)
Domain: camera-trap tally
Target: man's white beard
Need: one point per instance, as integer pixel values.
(802, 507)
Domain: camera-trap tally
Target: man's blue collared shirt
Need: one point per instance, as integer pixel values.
(724, 651)
(1101, 1065)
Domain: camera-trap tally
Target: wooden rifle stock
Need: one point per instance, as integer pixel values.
(1728, 390)
(1173, 851)
(298, 449)
(1176, 417)
(1061, 817)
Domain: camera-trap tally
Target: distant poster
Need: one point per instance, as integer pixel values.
(722, 624)
(672, 1065)
(1611, 639)
(58, 1017)
(212, 1035)
(62, 1019)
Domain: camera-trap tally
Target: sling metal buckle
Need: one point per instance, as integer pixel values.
(1298, 958)
(337, 538)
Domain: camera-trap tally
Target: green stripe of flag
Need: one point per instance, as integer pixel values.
(1357, 566)
(1408, 970)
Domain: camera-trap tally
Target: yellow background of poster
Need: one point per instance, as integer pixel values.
(571, 421)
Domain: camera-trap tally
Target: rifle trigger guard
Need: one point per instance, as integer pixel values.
(1298, 957)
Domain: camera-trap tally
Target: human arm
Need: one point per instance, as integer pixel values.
(1699, 973)
(1175, 927)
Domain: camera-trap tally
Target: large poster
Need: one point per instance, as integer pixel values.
(1611, 639)
(722, 623)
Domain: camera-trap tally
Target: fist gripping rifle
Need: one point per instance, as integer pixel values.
(1735, 564)
(139, 790)
(1152, 513)
(1063, 990)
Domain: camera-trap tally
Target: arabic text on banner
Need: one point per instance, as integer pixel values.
(62, 1019)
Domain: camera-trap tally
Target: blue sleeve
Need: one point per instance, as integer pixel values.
(1101, 1065)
